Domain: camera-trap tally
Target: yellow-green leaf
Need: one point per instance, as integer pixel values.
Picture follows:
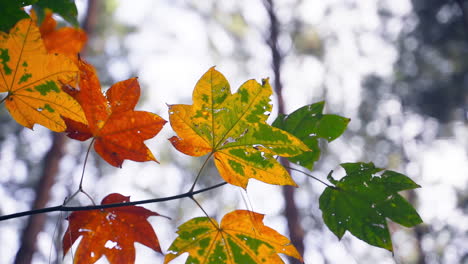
(33, 79)
(233, 128)
(241, 238)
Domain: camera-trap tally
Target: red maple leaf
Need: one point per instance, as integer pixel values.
(118, 129)
(110, 232)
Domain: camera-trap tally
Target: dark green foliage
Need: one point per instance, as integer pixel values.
(308, 123)
(65, 8)
(12, 11)
(361, 202)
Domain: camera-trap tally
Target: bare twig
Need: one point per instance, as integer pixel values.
(63, 208)
(310, 175)
(200, 171)
(201, 208)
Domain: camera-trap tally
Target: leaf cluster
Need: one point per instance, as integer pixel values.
(12, 11)
(47, 83)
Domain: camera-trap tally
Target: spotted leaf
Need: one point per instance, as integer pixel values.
(119, 131)
(241, 238)
(110, 232)
(233, 128)
(33, 80)
(361, 202)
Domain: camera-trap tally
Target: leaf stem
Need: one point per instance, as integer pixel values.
(87, 195)
(80, 187)
(63, 208)
(4, 98)
(209, 218)
(200, 171)
(84, 164)
(311, 176)
(68, 199)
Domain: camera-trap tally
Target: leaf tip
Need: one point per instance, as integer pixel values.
(115, 198)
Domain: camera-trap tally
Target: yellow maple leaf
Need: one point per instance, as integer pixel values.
(233, 128)
(241, 238)
(33, 78)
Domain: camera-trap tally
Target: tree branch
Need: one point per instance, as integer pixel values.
(63, 208)
(310, 176)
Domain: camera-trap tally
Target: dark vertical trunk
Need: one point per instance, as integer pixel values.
(296, 232)
(418, 231)
(50, 169)
(91, 17)
(42, 190)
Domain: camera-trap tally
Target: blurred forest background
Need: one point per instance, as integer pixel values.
(397, 68)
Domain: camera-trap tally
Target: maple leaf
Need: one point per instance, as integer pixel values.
(66, 9)
(110, 232)
(118, 129)
(241, 238)
(233, 127)
(361, 202)
(33, 78)
(66, 40)
(12, 12)
(308, 123)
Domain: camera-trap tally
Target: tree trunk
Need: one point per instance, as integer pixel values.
(296, 232)
(418, 231)
(42, 190)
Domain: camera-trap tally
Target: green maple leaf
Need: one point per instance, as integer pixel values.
(308, 123)
(12, 13)
(65, 8)
(361, 202)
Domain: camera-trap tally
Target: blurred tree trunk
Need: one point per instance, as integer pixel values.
(36, 222)
(419, 231)
(50, 170)
(296, 232)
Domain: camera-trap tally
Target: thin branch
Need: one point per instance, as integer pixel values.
(62, 208)
(84, 164)
(4, 98)
(311, 176)
(80, 188)
(201, 207)
(200, 171)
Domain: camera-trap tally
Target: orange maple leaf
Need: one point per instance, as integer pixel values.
(119, 131)
(66, 40)
(110, 232)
